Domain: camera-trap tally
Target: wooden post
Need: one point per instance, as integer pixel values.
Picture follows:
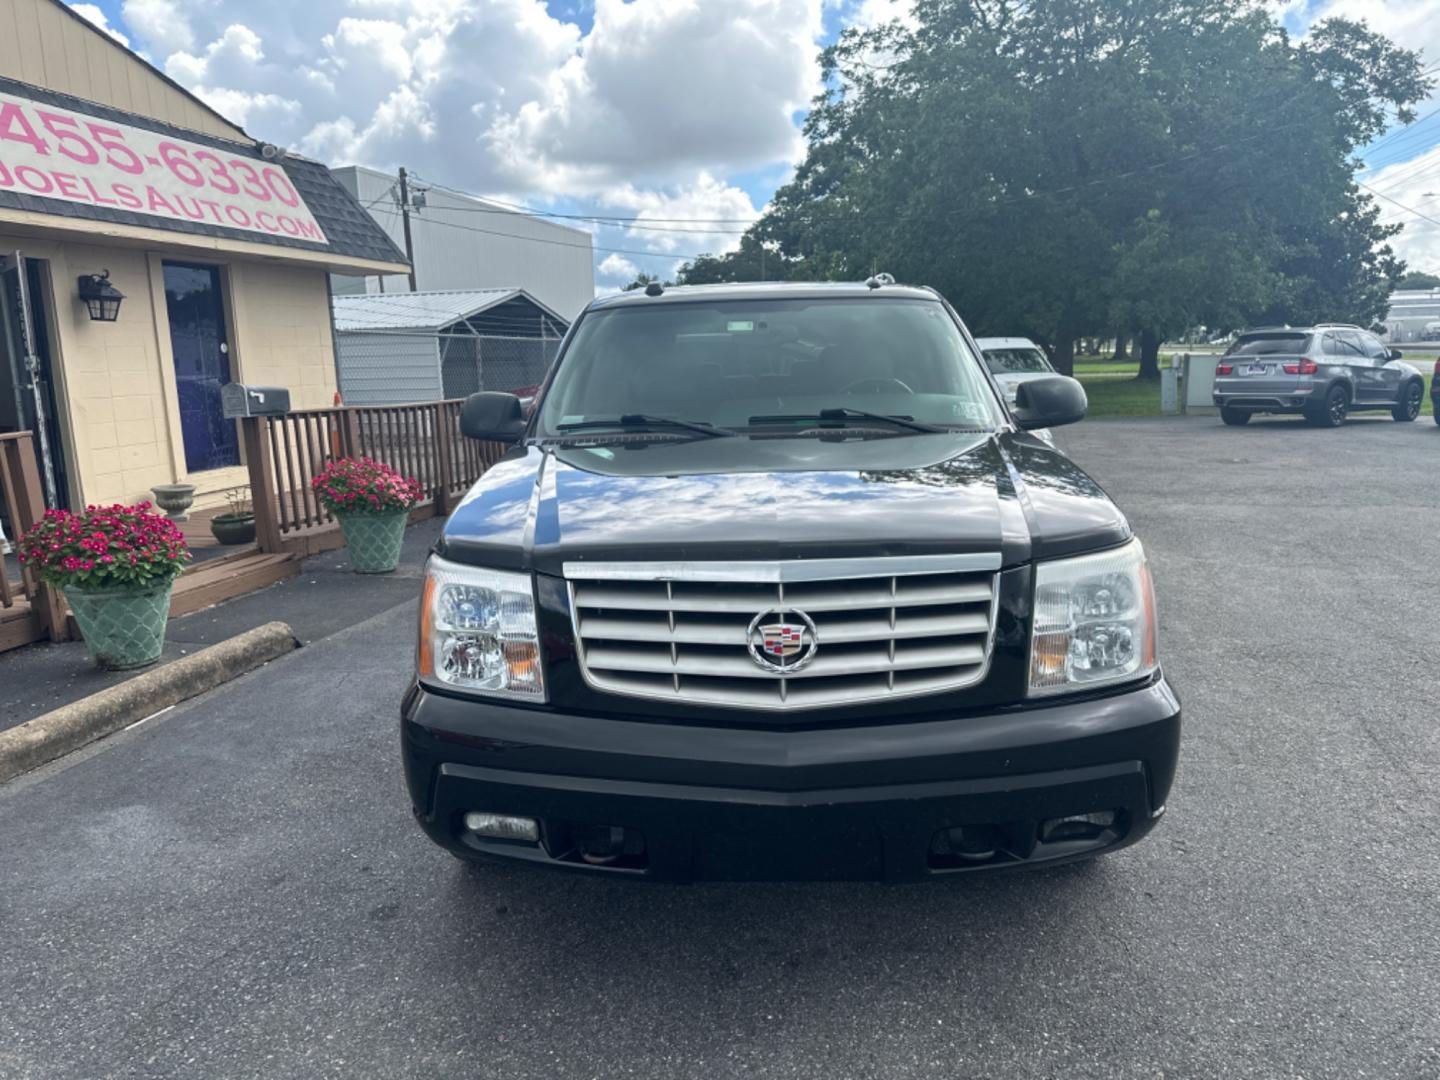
(350, 418)
(445, 474)
(264, 498)
(18, 460)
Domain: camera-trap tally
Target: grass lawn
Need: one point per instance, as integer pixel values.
(1130, 397)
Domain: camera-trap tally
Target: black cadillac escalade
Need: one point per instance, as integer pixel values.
(774, 585)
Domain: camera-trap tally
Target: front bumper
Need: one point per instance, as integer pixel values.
(869, 803)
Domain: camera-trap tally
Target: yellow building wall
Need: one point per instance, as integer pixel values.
(116, 392)
(44, 44)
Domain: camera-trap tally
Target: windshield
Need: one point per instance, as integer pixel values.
(753, 364)
(1269, 345)
(1016, 361)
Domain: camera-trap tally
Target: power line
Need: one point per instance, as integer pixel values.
(1397, 202)
(555, 243)
(604, 219)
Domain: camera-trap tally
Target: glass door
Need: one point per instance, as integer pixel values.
(196, 305)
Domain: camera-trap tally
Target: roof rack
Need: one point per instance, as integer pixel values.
(1337, 326)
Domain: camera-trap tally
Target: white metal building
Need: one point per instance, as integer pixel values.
(464, 243)
(397, 348)
(1411, 311)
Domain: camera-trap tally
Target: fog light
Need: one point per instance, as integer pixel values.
(1077, 827)
(503, 827)
(972, 843)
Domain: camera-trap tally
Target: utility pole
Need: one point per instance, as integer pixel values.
(405, 217)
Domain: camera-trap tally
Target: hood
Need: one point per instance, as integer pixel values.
(758, 499)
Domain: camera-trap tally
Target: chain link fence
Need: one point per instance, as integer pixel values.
(513, 364)
(397, 368)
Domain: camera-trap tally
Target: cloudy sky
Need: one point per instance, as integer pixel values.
(682, 113)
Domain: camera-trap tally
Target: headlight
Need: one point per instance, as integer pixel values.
(1094, 621)
(477, 631)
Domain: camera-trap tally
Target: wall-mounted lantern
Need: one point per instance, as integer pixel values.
(102, 298)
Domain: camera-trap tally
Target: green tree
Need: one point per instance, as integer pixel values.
(1417, 279)
(1064, 167)
(641, 280)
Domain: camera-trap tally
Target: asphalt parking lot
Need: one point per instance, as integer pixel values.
(236, 889)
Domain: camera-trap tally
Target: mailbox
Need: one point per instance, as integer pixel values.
(238, 400)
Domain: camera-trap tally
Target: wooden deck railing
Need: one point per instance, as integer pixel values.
(285, 453)
(24, 504)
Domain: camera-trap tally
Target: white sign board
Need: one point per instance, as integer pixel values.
(54, 153)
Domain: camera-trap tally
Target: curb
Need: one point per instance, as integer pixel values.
(70, 727)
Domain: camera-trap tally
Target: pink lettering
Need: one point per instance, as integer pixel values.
(158, 201)
(311, 231)
(127, 197)
(6, 180)
(214, 208)
(69, 185)
(195, 214)
(96, 197)
(266, 221)
(25, 173)
(287, 225)
(238, 215)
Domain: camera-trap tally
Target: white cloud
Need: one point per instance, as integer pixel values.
(93, 15)
(719, 211)
(159, 24)
(657, 87)
(615, 266)
(500, 94)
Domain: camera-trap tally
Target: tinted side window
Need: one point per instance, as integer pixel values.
(1355, 352)
(1374, 348)
(1344, 351)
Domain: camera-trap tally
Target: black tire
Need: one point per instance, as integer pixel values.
(1234, 417)
(1332, 411)
(1408, 407)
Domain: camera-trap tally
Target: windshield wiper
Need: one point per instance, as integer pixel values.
(641, 422)
(839, 416)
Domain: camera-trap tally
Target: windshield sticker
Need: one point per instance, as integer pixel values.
(739, 327)
(601, 452)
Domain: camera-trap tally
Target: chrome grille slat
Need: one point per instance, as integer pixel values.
(738, 665)
(733, 633)
(683, 638)
(751, 600)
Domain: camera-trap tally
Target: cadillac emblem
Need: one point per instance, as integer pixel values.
(782, 641)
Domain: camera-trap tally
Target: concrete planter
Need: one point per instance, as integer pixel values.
(174, 499)
(123, 628)
(374, 540)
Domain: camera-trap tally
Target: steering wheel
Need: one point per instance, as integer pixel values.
(876, 386)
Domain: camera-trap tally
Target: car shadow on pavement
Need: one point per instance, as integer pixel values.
(840, 948)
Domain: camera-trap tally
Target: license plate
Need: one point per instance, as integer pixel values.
(1257, 369)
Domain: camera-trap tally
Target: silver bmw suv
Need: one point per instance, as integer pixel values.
(1323, 372)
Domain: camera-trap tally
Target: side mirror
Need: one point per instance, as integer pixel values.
(1395, 354)
(1049, 402)
(493, 417)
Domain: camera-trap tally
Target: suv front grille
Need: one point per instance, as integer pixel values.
(884, 628)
